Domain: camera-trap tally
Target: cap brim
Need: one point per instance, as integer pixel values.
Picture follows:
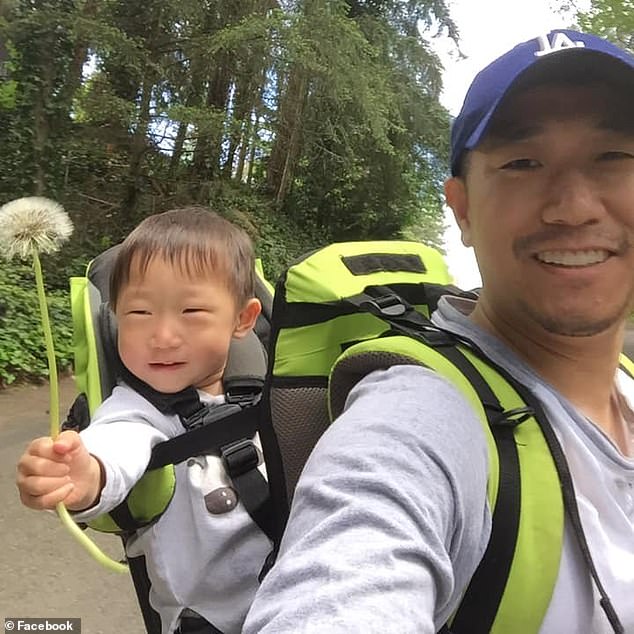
(590, 65)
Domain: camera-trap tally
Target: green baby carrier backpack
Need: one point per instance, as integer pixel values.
(350, 308)
(97, 369)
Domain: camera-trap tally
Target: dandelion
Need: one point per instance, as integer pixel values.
(30, 226)
(33, 225)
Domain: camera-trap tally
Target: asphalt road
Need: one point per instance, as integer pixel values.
(44, 572)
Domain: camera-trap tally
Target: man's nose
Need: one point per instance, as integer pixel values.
(573, 199)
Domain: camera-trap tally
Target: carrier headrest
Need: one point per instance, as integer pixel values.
(246, 367)
(100, 269)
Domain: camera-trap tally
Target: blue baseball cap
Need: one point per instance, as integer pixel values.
(543, 56)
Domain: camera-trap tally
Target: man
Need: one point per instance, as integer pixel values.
(390, 517)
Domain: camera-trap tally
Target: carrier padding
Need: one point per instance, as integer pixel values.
(314, 323)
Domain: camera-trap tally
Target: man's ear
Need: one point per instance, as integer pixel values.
(457, 199)
(247, 317)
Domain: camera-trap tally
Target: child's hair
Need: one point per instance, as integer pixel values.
(195, 239)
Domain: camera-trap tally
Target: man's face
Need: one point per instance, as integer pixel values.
(548, 205)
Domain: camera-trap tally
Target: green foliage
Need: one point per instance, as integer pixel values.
(97, 103)
(7, 95)
(304, 122)
(22, 347)
(375, 150)
(612, 19)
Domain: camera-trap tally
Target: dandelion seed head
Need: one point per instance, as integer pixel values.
(32, 224)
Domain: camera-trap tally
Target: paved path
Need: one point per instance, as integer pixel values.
(44, 572)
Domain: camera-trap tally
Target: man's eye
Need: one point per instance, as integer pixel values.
(520, 164)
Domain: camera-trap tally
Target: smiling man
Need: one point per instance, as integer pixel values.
(390, 518)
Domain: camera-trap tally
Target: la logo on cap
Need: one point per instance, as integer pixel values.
(560, 41)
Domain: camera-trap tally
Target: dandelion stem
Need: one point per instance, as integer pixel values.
(50, 348)
(62, 512)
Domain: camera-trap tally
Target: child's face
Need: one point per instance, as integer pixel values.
(174, 329)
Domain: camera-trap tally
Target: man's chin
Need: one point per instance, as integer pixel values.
(577, 326)
(581, 320)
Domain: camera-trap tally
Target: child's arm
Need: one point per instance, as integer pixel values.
(52, 471)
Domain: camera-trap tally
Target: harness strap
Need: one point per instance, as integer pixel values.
(206, 438)
(122, 515)
(480, 603)
(141, 582)
(226, 432)
(570, 504)
(196, 625)
(241, 460)
(184, 403)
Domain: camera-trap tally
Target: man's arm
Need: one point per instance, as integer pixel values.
(389, 519)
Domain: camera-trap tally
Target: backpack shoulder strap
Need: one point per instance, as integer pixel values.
(566, 488)
(523, 483)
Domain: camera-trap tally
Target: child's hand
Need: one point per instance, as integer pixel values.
(52, 471)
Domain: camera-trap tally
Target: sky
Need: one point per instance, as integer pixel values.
(488, 28)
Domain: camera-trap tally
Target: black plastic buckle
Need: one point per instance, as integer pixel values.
(240, 457)
(206, 415)
(513, 417)
(386, 305)
(243, 398)
(436, 337)
(197, 419)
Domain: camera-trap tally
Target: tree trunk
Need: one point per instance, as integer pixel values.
(252, 153)
(41, 126)
(244, 147)
(250, 130)
(243, 99)
(177, 152)
(206, 164)
(80, 54)
(287, 147)
(138, 148)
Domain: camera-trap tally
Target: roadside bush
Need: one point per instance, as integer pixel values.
(22, 348)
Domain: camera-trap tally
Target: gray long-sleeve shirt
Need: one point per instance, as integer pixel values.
(390, 518)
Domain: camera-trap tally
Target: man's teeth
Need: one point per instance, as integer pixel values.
(573, 258)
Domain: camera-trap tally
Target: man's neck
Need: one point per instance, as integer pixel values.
(582, 369)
